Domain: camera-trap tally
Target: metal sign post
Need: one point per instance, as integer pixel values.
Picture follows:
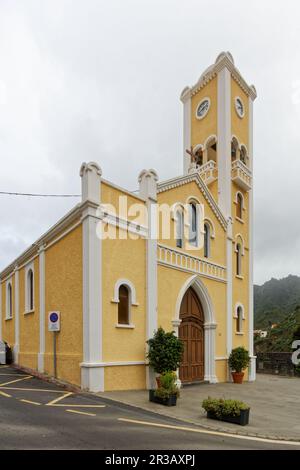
(54, 355)
(54, 326)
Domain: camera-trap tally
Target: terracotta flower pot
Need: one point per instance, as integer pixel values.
(158, 381)
(237, 377)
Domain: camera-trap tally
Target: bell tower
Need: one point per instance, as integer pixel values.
(218, 116)
(218, 145)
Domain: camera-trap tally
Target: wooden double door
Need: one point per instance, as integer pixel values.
(191, 331)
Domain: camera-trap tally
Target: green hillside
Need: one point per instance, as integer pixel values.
(275, 300)
(281, 337)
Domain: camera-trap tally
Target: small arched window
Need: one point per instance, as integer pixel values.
(124, 305)
(238, 259)
(193, 225)
(9, 301)
(239, 205)
(206, 240)
(211, 148)
(243, 155)
(30, 292)
(234, 149)
(179, 228)
(239, 320)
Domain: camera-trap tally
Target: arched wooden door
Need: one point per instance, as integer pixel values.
(191, 331)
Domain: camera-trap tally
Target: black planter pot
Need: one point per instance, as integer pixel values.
(171, 401)
(242, 420)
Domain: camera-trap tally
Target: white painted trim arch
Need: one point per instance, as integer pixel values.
(239, 239)
(129, 284)
(209, 139)
(234, 138)
(239, 305)
(208, 221)
(209, 323)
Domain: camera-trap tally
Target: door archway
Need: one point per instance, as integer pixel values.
(191, 331)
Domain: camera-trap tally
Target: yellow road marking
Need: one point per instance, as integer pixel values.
(80, 406)
(213, 433)
(16, 380)
(30, 402)
(5, 394)
(81, 412)
(32, 389)
(51, 403)
(18, 375)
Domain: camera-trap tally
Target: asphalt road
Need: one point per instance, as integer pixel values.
(38, 415)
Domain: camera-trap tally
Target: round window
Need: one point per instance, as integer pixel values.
(202, 108)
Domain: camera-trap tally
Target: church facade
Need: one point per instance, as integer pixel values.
(176, 254)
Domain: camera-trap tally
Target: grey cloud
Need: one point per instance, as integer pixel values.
(100, 80)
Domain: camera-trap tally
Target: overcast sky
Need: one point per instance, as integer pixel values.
(100, 80)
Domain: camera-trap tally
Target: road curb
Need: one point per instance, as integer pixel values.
(209, 427)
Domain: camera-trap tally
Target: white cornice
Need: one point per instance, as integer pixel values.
(224, 59)
(181, 180)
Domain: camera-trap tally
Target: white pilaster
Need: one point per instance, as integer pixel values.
(209, 353)
(148, 190)
(229, 307)
(224, 141)
(252, 368)
(186, 99)
(17, 317)
(42, 281)
(92, 371)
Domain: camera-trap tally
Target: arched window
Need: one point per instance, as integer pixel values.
(179, 228)
(234, 149)
(9, 301)
(239, 205)
(124, 305)
(206, 240)
(199, 156)
(193, 240)
(243, 155)
(238, 259)
(239, 320)
(30, 293)
(211, 148)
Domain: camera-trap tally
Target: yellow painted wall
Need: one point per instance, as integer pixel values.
(221, 370)
(8, 326)
(63, 272)
(29, 322)
(111, 195)
(124, 378)
(201, 129)
(124, 259)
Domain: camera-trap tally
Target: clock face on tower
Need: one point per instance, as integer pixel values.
(202, 108)
(239, 107)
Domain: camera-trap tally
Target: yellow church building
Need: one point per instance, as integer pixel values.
(115, 272)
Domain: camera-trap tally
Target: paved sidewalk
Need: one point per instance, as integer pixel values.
(274, 402)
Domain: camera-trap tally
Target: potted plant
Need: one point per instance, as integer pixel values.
(238, 361)
(231, 411)
(168, 392)
(165, 352)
